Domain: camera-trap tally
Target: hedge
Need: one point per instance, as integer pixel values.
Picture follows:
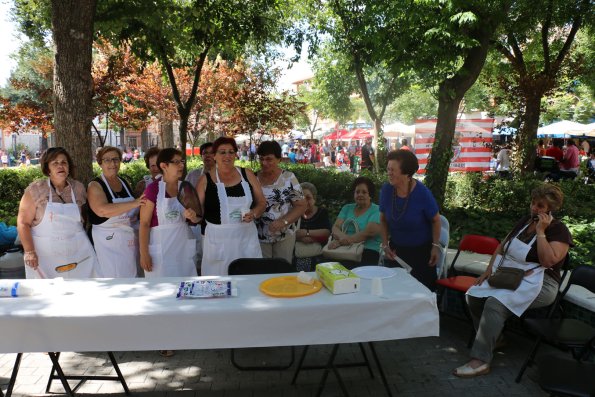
(473, 204)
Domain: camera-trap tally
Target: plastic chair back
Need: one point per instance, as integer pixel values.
(243, 266)
(444, 239)
(479, 244)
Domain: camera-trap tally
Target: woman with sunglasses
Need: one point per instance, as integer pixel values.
(231, 199)
(112, 211)
(50, 222)
(167, 246)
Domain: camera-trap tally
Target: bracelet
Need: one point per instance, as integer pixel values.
(436, 245)
(30, 252)
(541, 235)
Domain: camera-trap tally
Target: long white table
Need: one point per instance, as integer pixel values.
(143, 314)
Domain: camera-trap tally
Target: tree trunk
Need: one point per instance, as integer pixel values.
(183, 131)
(144, 139)
(526, 139)
(167, 133)
(72, 29)
(122, 138)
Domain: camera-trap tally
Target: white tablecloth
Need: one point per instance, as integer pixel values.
(142, 314)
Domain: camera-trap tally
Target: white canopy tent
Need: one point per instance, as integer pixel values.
(563, 129)
(398, 130)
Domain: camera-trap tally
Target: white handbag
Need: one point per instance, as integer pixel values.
(352, 252)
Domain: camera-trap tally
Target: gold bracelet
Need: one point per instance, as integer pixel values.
(541, 235)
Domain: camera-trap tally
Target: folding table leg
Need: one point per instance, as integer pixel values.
(52, 376)
(118, 372)
(382, 376)
(61, 375)
(331, 366)
(13, 376)
(300, 363)
(366, 361)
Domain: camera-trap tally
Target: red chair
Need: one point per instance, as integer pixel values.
(473, 243)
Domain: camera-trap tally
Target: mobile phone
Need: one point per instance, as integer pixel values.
(536, 218)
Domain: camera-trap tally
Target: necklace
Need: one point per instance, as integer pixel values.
(397, 213)
(58, 194)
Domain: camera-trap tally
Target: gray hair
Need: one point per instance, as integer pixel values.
(310, 187)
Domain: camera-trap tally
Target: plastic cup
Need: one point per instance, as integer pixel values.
(377, 286)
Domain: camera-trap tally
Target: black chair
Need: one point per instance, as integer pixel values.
(244, 266)
(562, 376)
(563, 333)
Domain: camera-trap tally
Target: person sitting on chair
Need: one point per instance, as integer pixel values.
(537, 244)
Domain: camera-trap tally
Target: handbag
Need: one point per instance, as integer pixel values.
(508, 277)
(304, 250)
(352, 252)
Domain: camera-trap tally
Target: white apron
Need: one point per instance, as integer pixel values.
(232, 239)
(60, 239)
(171, 245)
(519, 300)
(116, 242)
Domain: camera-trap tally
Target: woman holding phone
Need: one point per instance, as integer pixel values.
(50, 222)
(537, 244)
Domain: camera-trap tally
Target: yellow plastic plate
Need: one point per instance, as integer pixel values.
(288, 287)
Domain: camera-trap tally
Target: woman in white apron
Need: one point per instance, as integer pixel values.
(538, 244)
(113, 211)
(50, 224)
(166, 244)
(231, 198)
(150, 158)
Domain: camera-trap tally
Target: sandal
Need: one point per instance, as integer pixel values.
(166, 353)
(466, 371)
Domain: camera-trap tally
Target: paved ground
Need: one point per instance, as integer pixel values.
(417, 367)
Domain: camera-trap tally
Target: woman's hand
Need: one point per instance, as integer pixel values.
(248, 217)
(31, 259)
(146, 262)
(388, 252)
(543, 222)
(141, 201)
(190, 214)
(434, 255)
(346, 241)
(334, 244)
(484, 276)
(277, 226)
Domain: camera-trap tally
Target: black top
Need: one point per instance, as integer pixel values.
(212, 206)
(556, 231)
(320, 220)
(367, 151)
(98, 220)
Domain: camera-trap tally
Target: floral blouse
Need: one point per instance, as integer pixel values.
(279, 197)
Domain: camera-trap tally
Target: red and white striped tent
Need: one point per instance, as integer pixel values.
(472, 144)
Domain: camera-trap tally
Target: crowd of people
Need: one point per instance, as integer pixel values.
(149, 231)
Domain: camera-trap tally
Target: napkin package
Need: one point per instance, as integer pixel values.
(336, 278)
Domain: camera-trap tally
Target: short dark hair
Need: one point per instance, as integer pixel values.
(152, 151)
(406, 159)
(362, 180)
(269, 147)
(50, 154)
(225, 140)
(104, 150)
(166, 155)
(205, 146)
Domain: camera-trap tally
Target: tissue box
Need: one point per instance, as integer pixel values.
(336, 278)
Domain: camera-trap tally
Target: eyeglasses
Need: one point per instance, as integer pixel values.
(114, 160)
(177, 162)
(223, 152)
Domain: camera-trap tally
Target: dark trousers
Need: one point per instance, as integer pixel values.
(417, 257)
